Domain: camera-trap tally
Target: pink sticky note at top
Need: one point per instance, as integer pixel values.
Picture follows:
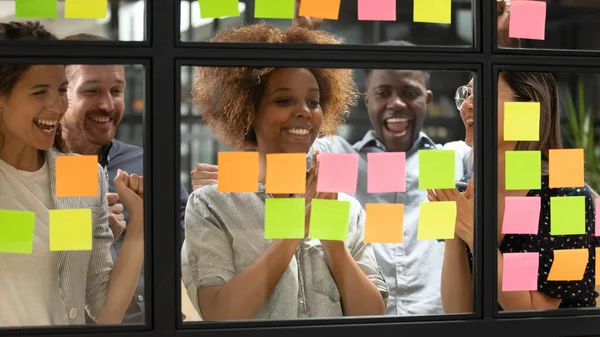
(521, 215)
(527, 20)
(338, 173)
(377, 10)
(597, 216)
(520, 271)
(386, 172)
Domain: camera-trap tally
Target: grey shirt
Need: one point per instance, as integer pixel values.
(412, 269)
(225, 234)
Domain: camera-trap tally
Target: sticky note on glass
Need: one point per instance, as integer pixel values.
(436, 169)
(566, 168)
(520, 271)
(569, 264)
(522, 121)
(329, 220)
(521, 215)
(432, 11)
(85, 9)
(597, 219)
(527, 20)
(338, 173)
(567, 215)
(384, 223)
(16, 231)
(284, 218)
(523, 170)
(214, 9)
(286, 173)
(77, 176)
(437, 220)
(386, 172)
(274, 9)
(238, 172)
(70, 229)
(38, 9)
(324, 9)
(377, 10)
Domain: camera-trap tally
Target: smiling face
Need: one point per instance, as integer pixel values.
(96, 105)
(32, 110)
(397, 102)
(467, 115)
(289, 116)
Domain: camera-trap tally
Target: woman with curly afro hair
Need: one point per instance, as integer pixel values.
(230, 270)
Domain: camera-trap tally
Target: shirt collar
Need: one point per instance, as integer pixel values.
(104, 157)
(423, 141)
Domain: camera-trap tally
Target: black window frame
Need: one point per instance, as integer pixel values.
(162, 55)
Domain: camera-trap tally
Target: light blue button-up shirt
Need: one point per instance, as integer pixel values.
(413, 268)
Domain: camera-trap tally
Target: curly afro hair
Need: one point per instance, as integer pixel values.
(229, 96)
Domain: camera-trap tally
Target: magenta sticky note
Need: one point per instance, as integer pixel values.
(527, 20)
(520, 271)
(386, 172)
(597, 216)
(521, 215)
(338, 173)
(377, 10)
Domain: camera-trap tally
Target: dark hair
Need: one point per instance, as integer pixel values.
(398, 43)
(85, 37)
(10, 74)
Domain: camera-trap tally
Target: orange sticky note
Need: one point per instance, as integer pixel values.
(238, 172)
(566, 168)
(569, 264)
(597, 265)
(77, 176)
(286, 173)
(324, 9)
(384, 223)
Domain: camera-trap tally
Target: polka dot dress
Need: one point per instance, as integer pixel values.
(574, 294)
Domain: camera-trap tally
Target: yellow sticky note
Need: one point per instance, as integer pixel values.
(569, 264)
(85, 9)
(522, 121)
(437, 220)
(384, 223)
(566, 168)
(432, 11)
(70, 229)
(238, 172)
(286, 173)
(77, 176)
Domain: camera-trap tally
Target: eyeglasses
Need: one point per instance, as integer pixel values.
(463, 92)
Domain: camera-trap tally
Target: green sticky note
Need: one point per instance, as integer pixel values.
(284, 218)
(16, 231)
(70, 229)
(329, 220)
(38, 9)
(522, 121)
(523, 170)
(436, 169)
(432, 11)
(437, 220)
(274, 9)
(85, 9)
(567, 215)
(218, 8)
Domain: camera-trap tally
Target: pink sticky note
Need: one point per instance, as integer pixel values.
(386, 172)
(521, 215)
(597, 216)
(338, 173)
(377, 10)
(520, 271)
(527, 20)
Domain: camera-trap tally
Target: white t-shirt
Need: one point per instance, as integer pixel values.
(29, 292)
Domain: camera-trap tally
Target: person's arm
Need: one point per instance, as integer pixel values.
(359, 295)
(126, 270)
(457, 279)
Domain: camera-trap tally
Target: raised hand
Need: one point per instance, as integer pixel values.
(304, 21)
(503, 10)
(131, 191)
(204, 174)
(116, 220)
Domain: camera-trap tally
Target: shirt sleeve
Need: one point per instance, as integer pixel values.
(184, 199)
(207, 255)
(362, 252)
